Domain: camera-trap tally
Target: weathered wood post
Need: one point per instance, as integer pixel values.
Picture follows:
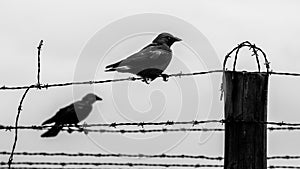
(245, 113)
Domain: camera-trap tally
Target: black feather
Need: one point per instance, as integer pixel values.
(53, 131)
(114, 65)
(110, 70)
(51, 120)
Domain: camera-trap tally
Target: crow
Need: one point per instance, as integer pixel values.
(71, 114)
(150, 62)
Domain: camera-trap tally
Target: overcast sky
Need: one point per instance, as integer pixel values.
(76, 32)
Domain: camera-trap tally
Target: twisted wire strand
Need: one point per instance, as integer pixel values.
(143, 124)
(184, 165)
(114, 155)
(163, 155)
(284, 166)
(271, 167)
(46, 86)
(66, 167)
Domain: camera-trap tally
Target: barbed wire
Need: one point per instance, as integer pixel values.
(115, 124)
(46, 86)
(271, 167)
(39, 64)
(285, 157)
(163, 155)
(284, 166)
(66, 167)
(283, 128)
(255, 51)
(184, 165)
(115, 155)
(285, 73)
(166, 165)
(16, 127)
(143, 124)
(125, 131)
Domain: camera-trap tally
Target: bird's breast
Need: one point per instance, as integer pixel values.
(83, 111)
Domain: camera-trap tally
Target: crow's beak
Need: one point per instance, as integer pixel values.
(177, 39)
(98, 98)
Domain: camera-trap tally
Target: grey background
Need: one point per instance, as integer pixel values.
(67, 26)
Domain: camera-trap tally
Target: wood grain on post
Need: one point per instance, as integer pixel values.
(245, 107)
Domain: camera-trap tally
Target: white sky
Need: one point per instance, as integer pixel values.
(67, 26)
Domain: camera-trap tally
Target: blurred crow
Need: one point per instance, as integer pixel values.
(71, 114)
(151, 61)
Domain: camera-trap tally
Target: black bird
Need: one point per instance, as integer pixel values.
(71, 114)
(151, 61)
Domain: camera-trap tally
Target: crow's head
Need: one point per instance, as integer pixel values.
(166, 38)
(91, 98)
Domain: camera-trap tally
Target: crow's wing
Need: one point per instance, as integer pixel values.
(74, 113)
(65, 115)
(142, 58)
(151, 57)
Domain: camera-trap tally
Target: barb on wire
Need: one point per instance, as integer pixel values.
(16, 127)
(116, 164)
(115, 155)
(39, 64)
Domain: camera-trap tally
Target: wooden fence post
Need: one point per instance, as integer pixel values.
(245, 111)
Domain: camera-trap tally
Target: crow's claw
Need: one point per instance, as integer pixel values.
(165, 77)
(145, 80)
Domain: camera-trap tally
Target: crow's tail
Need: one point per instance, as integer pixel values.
(114, 65)
(51, 120)
(110, 70)
(53, 131)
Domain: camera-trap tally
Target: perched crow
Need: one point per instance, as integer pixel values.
(71, 114)
(151, 61)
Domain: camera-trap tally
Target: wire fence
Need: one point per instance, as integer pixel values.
(31, 167)
(101, 155)
(119, 155)
(47, 86)
(165, 165)
(271, 167)
(85, 128)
